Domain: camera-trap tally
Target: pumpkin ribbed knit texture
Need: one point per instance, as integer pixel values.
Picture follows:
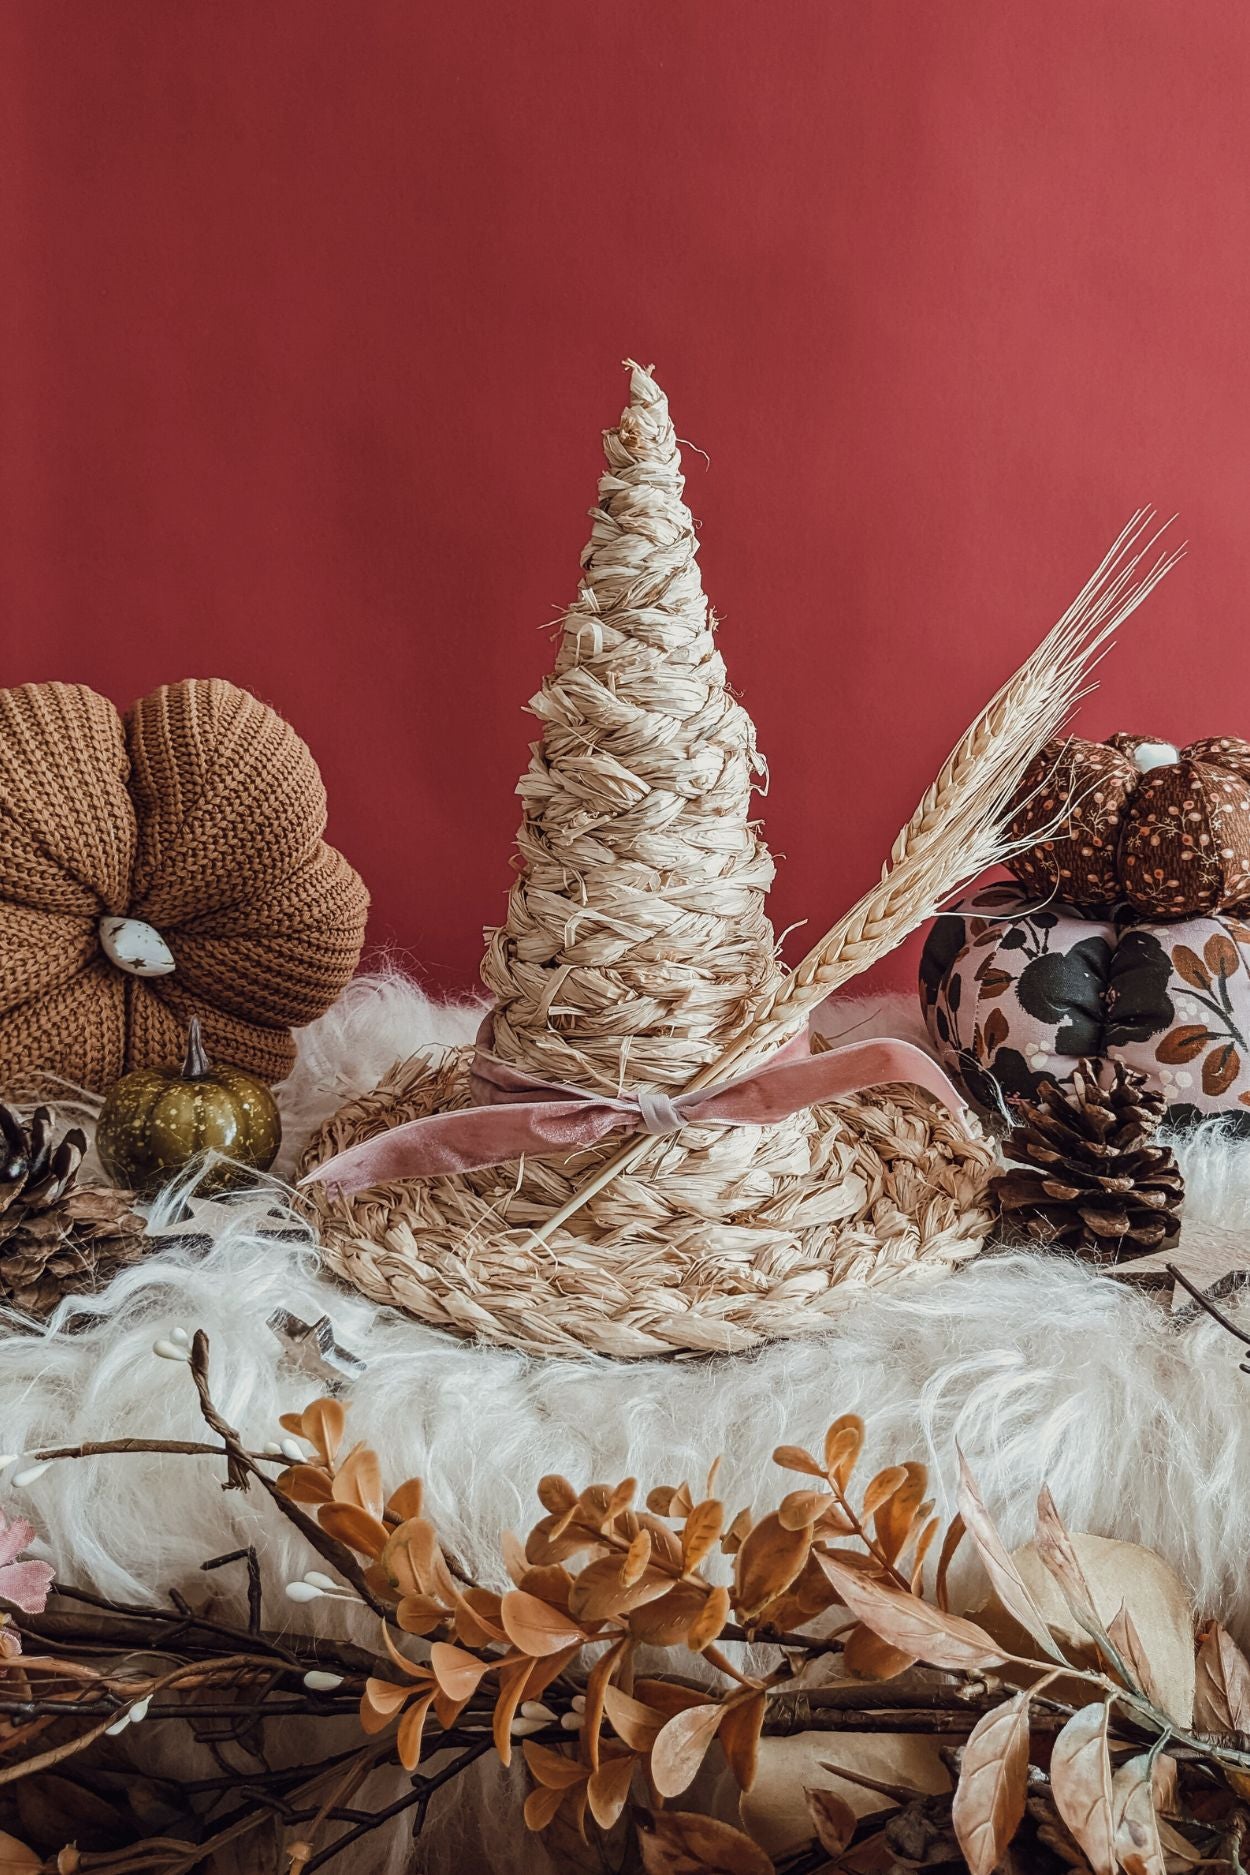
(201, 813)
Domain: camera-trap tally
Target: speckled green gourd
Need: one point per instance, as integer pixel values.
(155, 1121)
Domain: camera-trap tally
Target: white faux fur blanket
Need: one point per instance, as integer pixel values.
(1041, 1370)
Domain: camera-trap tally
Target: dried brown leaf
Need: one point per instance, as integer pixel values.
(515, 1561)
(458, 1673)
(800, 1508)
(556, 1494)
(380, 1702)
(16, 1858)
(923, 1544)
(769, 1560)
(913, 1626)
(1135, 1824)
(993, 1780)
(667, 1621)
(598, 1593)
(358, 1481)
(598, 1680)
(635, 1723)
(680, 1843)
(883, 1486)
(1128, 1643)
(541, 1806)
(322, 1423)
(702, 1528)
(894, 1519)
(868, 1657)
(1054, 1547)
(844, 1442)
(305, 1484)
(405, 1500)
(681, 1746)
(795, 1458)
(740, 1736)
(1222, 1693)
(608, 1790)
(707, 1624)
(636, 1558)
(348, 1523)
(832, 1818)
(1080, 1781)
(512, 1681)
(535, 1626)
(620, 1498)
(551, 1768)
(419, 1614)
(411, 1730)
(955, 1532)
(477, 1617)
(1007, 1581)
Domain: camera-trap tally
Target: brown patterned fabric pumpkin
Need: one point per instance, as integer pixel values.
(1014, 992)
(1166, 831)
(162, 866)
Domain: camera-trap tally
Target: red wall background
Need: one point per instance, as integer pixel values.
(313, 312)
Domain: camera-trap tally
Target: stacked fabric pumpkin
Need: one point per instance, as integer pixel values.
(1127, 934)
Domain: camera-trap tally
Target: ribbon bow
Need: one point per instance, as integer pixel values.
(513, 1114)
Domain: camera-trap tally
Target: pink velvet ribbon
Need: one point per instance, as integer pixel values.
(513, 1114)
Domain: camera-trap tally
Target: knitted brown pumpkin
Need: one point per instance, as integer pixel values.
(1166, 831)
(196, 820)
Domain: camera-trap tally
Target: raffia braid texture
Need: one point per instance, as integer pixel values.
(636, 943)
(721, 1242)
(635, 950)
(200, 813)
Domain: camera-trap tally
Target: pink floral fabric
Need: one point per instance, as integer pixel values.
(1015, 990)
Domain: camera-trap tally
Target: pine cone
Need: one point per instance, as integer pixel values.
(1094, 1183)
(55, 1235)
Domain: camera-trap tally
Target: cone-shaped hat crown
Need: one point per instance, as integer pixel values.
(636, 943)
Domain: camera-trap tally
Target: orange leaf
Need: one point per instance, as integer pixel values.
(16, 1858)
(598, 1592)
(458, 1673)
(358, 1480)
(346, 1523)
(597, 1682)
(638, 1725)
(511, 1692)
(833, 1820)
(794, 1458)
(551, 1582)
(1123, 1635)
(411, 1728)
(512, 1550)
(552, 1768)
(413, 1563)
(541, 1806)
(682, 1745)
(703, 1526)
(894, 1519)
(304, 1484)
(556, 1494)
(707, 1624)
(993, 1780)
(608, 1789)
(843, 1443)
(636, 1558)
(740, 1736)
(883, 1486)
(913, 1626)
(868, 1657)
(800, 1508)
(405, 1501)
(767, 1563)
(1080, 1782)
(667, 1621)
(322, 1423)
(535, 1626)
(380, 1702)
(950, 1543)
(477, 1618)
(670, 1696)
(1007, 1581)
(677, 1842)
(418, 1614)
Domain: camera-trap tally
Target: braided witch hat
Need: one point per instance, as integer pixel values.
(643, 1154)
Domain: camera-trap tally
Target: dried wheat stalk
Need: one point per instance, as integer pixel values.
(956, 831)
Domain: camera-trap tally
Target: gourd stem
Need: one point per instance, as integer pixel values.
(196, 1065)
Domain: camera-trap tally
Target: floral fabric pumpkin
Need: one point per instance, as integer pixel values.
(1013, 992)
(1166, 831)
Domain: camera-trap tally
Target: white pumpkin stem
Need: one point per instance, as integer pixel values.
(196, 1065)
